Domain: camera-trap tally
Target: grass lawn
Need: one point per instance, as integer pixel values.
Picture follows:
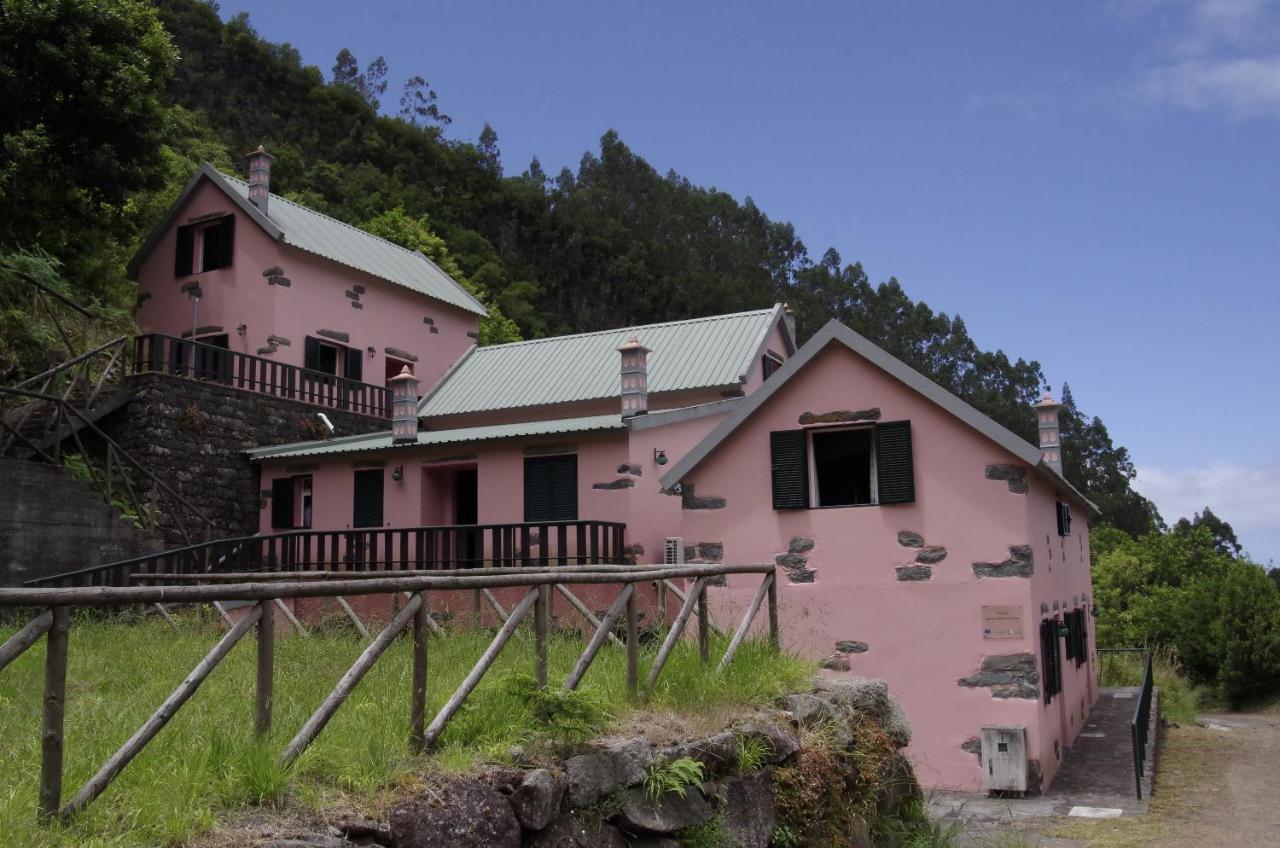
(205, 761)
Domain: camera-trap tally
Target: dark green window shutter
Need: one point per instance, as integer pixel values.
(789, 466)
(894, 473)
(551, 488)
(355, 364)
(226, 241)
(185, 252)
(367, 507)
(1049, 659)
(311, 354)
(282, 503)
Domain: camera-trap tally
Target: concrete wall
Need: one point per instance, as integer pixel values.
(384, 315)
(50, 523)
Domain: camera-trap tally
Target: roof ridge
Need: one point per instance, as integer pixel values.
(626, 328)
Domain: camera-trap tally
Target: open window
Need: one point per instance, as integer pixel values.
(291, 499)
(769, 364)
(847, 466)
(551, 488)
(205, 246)
(332, 358)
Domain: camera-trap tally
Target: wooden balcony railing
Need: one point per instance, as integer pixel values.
(213, 364)
(374, 549)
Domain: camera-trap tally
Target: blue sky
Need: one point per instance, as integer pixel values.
(1095, 185)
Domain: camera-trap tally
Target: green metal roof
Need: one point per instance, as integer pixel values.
(314, 232)
(382, 441)
(697, 353)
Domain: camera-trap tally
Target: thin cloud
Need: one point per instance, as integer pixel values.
(1248, 497)
(1244, 87)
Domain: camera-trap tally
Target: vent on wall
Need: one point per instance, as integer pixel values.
(673, 551)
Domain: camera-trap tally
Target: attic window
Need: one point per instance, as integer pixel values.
(204, 246)
(769, 364)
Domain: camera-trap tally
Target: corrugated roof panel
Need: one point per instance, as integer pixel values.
(382, 441)
(309, 230)
(691, 354)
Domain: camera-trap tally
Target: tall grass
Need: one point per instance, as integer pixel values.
(206, 760)
(1179, 700)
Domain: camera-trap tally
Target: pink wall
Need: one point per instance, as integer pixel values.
(390, 315)
(923, 635)
(1062, 582)
(774, 343)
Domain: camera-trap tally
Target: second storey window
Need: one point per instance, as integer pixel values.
(330, 358)
(551, 488)
(205, 246)
(769, 364)
(842, 467)
(1064, 519)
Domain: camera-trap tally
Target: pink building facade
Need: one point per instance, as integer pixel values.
(282, 283)
(915, 539)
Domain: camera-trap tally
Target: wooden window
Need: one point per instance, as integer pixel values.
(1064, 519)
(842, 467)
(367, 506)
(789, 463)
(217, 243)
(185, 253)
(1050, 660)
(551, 488)
(769, 364)
(354, 364)
(282, 503)
(306, 501)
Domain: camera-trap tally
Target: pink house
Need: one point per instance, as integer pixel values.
(282, 299)
(915, 539)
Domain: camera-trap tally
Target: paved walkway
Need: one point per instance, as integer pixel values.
(1096, 774)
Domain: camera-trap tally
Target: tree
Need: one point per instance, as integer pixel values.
(489, 153)
(346, 70)
(81, 128)
(1224, 537)
(418, 104)
(370, 85)
(416, 234)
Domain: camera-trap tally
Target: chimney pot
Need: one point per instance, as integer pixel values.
(404, 407)
(635, 378)
(259, 177)
(1050, 432)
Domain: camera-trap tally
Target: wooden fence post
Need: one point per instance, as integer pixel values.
(55, 707)
(603, 630)
(540, 628)
(25, 638)
(704, 625)
(747, 617)
(418, 698)
(633, 644)
(774, 641)
(264, 694)
(673, 635)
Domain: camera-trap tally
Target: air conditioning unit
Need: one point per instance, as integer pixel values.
(673, 551)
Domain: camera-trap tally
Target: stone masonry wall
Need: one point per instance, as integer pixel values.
(193, 435)
(50, 523)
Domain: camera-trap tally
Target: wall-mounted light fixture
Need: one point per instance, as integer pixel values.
(372, 351)
(242, 329)
(659, 456)
(397, 473)
(1064, 630)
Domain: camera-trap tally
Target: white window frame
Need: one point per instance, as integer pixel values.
(813, 467)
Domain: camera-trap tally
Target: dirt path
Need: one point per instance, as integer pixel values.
(1216, 785)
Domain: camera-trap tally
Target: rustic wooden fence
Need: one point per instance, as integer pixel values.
(265, 594)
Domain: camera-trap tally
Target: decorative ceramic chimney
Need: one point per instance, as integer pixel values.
(404, 407)
(260, 178)
(635, 378)
(1050, 437)
(789, 318)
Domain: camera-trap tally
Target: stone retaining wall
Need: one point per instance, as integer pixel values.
(825, 767)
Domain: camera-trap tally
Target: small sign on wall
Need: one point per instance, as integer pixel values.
(1002, 622)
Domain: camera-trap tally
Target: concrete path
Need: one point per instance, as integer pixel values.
(1096, 778)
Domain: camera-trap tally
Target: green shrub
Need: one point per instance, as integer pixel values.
(672, 776)
(751, 754)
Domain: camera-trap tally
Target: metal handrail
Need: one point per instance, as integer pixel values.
(1138, 727)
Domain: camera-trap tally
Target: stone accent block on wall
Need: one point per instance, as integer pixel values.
(801, 575)
(712, 551)
(836, 662)
(688, 500)
(931, 555)
(336, 335)
(620, 483)
(800, 545)
(630, 468)
(399, 354)
(550, 449)
(1014, 475)
(1021, 563)
(850, 646)
(972, 745)
(914, 572)
(840, 416)
(910, 539)
(1007, 675)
